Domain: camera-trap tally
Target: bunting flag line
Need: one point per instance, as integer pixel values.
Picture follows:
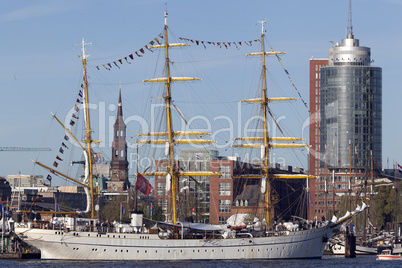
(66, 137)
(139, 53)
(291, 81)
(227, 45)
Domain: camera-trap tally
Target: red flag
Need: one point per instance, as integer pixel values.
(143, 184)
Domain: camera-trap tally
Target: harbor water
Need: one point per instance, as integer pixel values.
(326, 261)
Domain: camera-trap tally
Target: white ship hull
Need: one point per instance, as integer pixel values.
(55, 244)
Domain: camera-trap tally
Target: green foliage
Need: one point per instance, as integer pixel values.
(159, 215)
(111, 209)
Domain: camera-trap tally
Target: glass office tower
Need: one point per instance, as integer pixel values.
(350, 108)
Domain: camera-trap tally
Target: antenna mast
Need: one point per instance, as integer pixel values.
(350, 26)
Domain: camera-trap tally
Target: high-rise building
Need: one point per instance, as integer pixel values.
(119, 164)
(345, 122)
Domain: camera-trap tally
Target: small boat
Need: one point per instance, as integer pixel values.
(387, 255)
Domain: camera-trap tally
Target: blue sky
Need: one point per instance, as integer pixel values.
(40, 71)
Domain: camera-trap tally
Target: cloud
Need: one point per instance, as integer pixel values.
(34, 11)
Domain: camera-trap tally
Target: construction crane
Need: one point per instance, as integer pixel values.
(22, 149)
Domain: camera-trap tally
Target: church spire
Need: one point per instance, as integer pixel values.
(120, 108)
(119, 164)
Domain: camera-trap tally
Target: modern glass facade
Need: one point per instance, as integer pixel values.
(350, 108)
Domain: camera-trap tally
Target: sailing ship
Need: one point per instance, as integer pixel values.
(80, 239)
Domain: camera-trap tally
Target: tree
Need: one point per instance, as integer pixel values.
(158, 216)
(111, 209)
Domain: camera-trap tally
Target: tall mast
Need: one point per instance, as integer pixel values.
(168, 100)
(264, 106)
(170, 140)
(87, 139)
(265, 144)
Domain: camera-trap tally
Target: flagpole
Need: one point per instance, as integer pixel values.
(121, 205)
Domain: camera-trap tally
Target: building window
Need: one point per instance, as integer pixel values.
(225, 171)
(224, 206)
(223, 220)
(224, 189)
(161, 188)
(163, 203)
(121, 153)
